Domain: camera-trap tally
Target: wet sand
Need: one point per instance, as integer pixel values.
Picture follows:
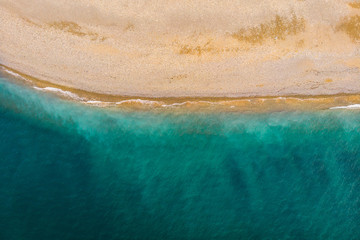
(189, 49)
(198, 104)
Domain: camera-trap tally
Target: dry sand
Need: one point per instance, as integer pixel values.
(203, 48)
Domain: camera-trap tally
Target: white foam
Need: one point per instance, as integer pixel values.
(189, 102)
(96, 102)
(353, 106)
(141, 101)
(177, 104)
(208, 102)
(59, 91)
(99, 103)
(174, 104)
(15, 74)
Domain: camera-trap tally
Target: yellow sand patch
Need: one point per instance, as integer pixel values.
(207, 45)
(354, 4)
(27, 20)
(199, 50)
(278, 28)
(351, 26)
(259, 85)
(75, 29)
(196, 50)
(328, 80)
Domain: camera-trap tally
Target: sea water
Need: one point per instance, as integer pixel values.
(70, 171)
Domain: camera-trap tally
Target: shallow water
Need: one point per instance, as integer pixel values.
(71, 171)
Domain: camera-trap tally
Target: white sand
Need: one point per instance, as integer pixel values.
(183, 48)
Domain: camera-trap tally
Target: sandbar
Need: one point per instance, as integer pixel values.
(203, 48)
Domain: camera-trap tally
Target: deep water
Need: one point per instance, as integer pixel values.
(70, 171)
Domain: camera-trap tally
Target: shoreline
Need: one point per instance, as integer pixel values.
(227, 104)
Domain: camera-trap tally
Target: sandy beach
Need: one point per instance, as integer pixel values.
(185, 48)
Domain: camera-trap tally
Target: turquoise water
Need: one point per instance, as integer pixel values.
(70, 171)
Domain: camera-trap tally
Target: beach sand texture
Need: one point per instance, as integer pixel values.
(203, 48)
